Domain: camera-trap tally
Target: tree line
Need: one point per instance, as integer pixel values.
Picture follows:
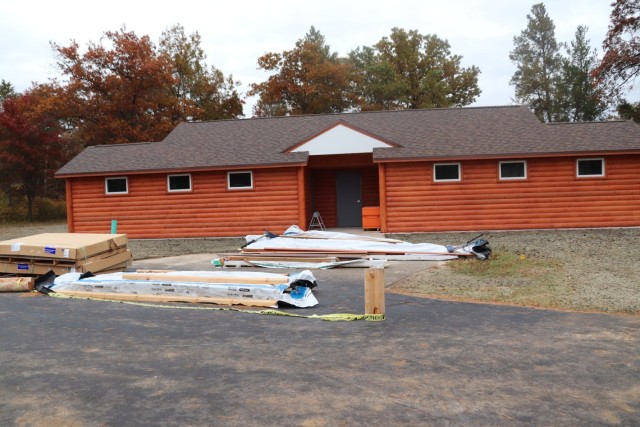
(564, 82)
(126, 88)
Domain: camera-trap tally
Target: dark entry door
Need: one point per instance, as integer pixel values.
(349, 199)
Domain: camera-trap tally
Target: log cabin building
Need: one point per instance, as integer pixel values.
(460, 169)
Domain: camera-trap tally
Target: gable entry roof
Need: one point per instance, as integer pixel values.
(430, 134)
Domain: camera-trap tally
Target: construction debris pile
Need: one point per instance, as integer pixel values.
(64, 253)
(324, 249)
(218, 287)
(93, 266)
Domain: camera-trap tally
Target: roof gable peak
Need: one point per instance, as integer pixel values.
(341, 138)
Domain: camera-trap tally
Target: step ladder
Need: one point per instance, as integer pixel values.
(316, 221)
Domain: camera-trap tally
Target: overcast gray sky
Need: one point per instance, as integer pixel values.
(235, 34)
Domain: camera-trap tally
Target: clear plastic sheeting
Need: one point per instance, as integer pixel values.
(294, 240)
(201, 286)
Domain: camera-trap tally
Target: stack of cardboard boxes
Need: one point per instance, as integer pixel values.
(64, 253)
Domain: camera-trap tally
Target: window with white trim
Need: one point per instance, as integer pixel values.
(116, 185)
(513, 169)
(178, 183)
(241, 180)
(446, 172)
(589, 168)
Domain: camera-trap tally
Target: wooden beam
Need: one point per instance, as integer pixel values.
(242, 280)
(169, 298)
(16, 284)
(302, 258)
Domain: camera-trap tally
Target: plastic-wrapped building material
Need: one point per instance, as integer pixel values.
(294, 240)
(229, 288)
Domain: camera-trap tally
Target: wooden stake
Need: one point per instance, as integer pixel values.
(374, 291)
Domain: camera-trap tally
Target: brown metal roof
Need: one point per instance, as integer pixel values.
(420, 134)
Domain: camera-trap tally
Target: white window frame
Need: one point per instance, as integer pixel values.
(601, 159)
(106, 185)
(182, 190)
(435, 179)
(511, 178)
(229, 187)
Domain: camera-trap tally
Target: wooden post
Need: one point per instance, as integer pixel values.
(374, 291)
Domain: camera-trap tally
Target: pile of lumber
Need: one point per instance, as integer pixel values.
(64, 253)
(324, 249)
(212, 287)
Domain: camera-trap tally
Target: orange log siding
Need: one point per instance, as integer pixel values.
(370, 190)
(551, 197)
(149, 211)
(323, 184)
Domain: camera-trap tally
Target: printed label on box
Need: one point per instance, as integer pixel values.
(50, 250)
(65, 253)
(23, 267)
(15, 247)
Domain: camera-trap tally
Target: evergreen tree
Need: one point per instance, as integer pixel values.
(214, 95)
(6, 90)
(629, 111)
(538, 59)
(578, 95)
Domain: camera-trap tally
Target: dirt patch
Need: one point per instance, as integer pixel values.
(587, 270)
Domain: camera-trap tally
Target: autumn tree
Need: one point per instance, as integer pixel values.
(214, 94)
(620, 65)
(309, 79)
(537, 56)
(125, 89)
(31, 143)
(578, 95)
(408, 70)
(119, 90)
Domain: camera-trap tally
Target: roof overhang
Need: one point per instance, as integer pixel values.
(503, 156)
(181, 170)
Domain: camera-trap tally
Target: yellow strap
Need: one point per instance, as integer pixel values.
(334, 317)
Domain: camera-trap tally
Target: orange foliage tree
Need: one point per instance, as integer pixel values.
(309, 79)
(31, 144)
(125, 89)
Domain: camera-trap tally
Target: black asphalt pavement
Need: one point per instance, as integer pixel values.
(67, 362)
